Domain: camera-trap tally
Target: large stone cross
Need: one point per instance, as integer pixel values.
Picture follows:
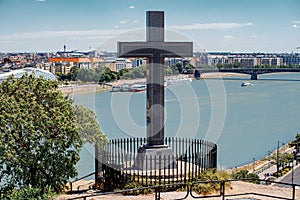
(155, 49)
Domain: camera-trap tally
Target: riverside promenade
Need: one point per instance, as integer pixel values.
(265, 168)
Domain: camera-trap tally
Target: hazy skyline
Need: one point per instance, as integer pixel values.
(216, 25)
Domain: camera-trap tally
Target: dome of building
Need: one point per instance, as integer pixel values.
(29, 70)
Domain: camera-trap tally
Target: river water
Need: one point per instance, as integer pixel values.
(245, 122)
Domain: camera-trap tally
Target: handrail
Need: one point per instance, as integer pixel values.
(189, 191)
(156, 188)
(78, 179)
(222, 188)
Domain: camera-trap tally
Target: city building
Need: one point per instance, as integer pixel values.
(291, 59)
(64, 64)
(62, 61)
(122, 63)
(137, 62)
(246, 60)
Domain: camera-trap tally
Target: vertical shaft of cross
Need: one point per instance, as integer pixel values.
(155, 81)
(155, 50)
(155, 26)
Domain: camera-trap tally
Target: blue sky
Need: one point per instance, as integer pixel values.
(216, 25)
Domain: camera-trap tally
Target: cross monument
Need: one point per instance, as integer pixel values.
(155, 49)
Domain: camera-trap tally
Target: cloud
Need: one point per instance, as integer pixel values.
(132, 6)
(123, 22)
(296, 22)
(228, 37)
(40, 0)
(116, 26)
(135, 21)
(209, 26)
(60, 34)
(254, 35)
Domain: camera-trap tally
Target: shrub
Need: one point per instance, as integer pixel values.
(30, 193)
(244, 174)
(208, 175)
(134, 185)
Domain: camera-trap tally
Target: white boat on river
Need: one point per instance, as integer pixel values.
(245, 84)
(174, 81)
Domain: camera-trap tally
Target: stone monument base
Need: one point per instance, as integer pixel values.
(155, 158)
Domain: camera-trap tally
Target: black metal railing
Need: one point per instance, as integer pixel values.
(189, 190)
(119, 163)
(222, 191)
(78, 179)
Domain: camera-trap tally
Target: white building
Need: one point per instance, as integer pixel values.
(123, 63)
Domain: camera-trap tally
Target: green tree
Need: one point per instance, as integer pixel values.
(174, 69)
(88, 127)
(179, 67)
(168, 71)
(139, 72)
(88, 75)
(41, 134)
(73, 73)
(108, 75)
(282, 159)
(39, 142)
(189, 66)
(244, 174)
(122, 72)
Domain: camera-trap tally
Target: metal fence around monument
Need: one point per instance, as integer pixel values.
(116, 163)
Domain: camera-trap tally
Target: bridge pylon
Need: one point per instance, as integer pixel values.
(253, 76)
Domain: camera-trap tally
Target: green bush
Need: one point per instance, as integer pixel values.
(200, 188)
(204, 188)
(30, 193)
(244, 174)
(208, 175)
(134, 185)
(282, 172)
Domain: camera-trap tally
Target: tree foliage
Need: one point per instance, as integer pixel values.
(88, 127)
(244, 174)
(41, 134)
(87, 75)
(73, 73)
(282, 159)
(208, 175)
(39, 142)
(138, 72)
(31, 193)
(229, 65)
(107, 75)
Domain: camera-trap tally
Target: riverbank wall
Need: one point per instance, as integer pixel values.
(87, 88)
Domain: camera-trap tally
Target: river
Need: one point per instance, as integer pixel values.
(245, 122)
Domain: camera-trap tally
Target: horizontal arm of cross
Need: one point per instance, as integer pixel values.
(150, 49)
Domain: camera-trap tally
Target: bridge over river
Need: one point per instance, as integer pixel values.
(253, 72)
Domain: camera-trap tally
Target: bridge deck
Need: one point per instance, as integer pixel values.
(250, 71)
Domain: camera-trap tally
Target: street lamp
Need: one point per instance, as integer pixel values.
(253, 165)
(277, 162)
(297, 149)
(269, 158)
(295, 158)
(293, 171)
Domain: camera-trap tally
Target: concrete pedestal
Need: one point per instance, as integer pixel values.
(155, 158)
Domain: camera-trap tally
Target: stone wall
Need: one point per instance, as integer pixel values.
(77, 89)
